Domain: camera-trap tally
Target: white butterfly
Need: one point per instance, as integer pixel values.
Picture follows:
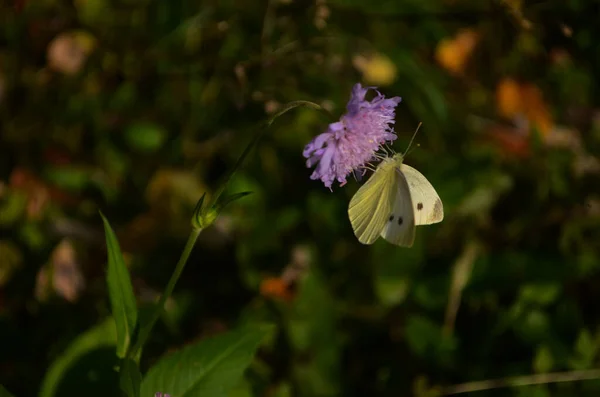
(394, 200)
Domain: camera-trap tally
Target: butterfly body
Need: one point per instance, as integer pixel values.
(393, 201)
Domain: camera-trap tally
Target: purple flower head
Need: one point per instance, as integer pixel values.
(351, 142)
(159, 394)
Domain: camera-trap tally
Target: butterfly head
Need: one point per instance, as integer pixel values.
(398, 158)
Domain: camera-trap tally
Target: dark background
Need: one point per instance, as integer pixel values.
(137, 107)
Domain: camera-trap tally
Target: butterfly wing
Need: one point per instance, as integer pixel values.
(400, 226)
(428, 207)
(370, 207)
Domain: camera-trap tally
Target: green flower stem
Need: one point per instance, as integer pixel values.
(204, 216)
(146, 329)
(263, 127)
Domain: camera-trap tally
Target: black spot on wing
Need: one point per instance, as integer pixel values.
(400, 221)
(420, 206)
(391, 217)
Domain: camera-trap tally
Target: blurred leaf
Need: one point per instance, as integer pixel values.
(422, 388)
(92, 11)
(533, 326)
(431, 293)
(543, 361)
(532, 391)
(392, 291)
(130, 378)
(586, 349)
(243, 389)
(174, 190)
(324, 212)
(34, 235)
(480, 201)
(209, 368)
(124, 97)
(395, 272)
(101, 335)
(145, 137)
(425, 339)
(122, 299)
(113, 161)
(226, 200)
(541, 294)
(461, 274)
(12, 207)
(11, 260)
(311, 329)
(4, 392)
(73, 178)
(283, 390)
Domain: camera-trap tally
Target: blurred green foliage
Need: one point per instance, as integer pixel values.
(137, 107)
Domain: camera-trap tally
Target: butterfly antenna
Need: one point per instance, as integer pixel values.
(410, 151)
(412, 139)
(389, 148)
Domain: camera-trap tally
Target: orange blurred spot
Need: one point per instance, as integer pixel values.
(453, 53)
(276, 288)
(508, 98)
(535, 108)
(513, 99)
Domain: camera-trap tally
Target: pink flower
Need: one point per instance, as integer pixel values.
(350, 143)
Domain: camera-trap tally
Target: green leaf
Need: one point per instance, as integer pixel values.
(72, 178)
(102, 335)
(313, 336)
(145, 137)
(282, 390)
(4, 392)
(130, 378)
(209, 368)
(426, 339)
(543, 361)
(230, 199)
(541, 293)
(204, 216)
(532, 391)
(122, 299)
(242, 389)
(533, 326)
(586, 348)
(12, 207)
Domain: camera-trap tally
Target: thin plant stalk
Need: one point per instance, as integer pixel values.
(519, 381)
(209, 214)
(145, 331)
